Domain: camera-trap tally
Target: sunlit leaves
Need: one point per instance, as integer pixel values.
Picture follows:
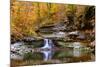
(27, 17)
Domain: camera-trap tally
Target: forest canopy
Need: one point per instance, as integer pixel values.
(28, 17)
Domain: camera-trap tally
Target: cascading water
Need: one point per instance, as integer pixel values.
(48, 44)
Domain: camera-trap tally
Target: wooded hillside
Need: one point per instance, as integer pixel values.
(28, 17)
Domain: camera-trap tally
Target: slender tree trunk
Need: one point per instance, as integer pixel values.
(49, 10)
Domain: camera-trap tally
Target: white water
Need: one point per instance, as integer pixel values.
(47, 44)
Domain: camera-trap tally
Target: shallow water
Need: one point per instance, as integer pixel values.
(24, 55)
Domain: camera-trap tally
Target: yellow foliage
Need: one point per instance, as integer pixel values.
(27, 17)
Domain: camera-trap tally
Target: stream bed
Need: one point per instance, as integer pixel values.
(23, 54)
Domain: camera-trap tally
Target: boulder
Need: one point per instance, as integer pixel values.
(28, 39)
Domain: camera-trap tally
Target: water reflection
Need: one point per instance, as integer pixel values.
(26, 56)
(47, 55)
(77, 52)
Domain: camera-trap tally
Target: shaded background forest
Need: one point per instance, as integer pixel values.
(28, 17)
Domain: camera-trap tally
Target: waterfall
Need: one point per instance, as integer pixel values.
(47, 44)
